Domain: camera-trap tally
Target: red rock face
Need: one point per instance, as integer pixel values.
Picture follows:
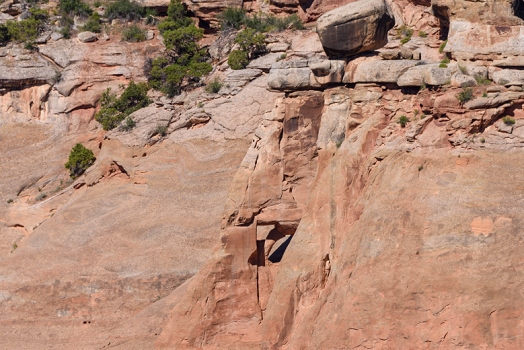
(404, 241)
(229, 296)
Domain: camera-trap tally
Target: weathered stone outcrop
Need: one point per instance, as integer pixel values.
(21, 68)
(500, 12)
(265, 203)
(469, 40)
(345, 233)
(305, 74)
(430, 74)
(354, 28)
(377, 71)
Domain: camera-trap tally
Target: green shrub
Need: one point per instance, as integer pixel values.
(508, 120)
(404, 33)
(93, 24)
(9, 201)
(442, 46)
(232, 18)
(150, 16)
(80, 158)
(38, 14)
(170, 77)
(4, 35)
(184, 40)
(160, 130)
(41, 196)
(422, 34)
(403, 120)
(214, 86)
(481, 80)
(134, 34)
(25, 30)
(129, 124)
(176, 17)
(74, 7)
(251, 42)
(445, 60)
(185, 63)
(124, 9)
(463, 69)
(443, 65)
(265, 23)
(113, 110)
(465, 95)
(66, 22)
(238, 59)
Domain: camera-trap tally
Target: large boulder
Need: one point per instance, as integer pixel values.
(354, 28)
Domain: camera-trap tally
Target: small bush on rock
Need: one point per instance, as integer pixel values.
(214, 86)
(129, 124)
(403, 121)
(134, 34)
(114, 109)
(465, 95)
(508, 120)
(442, 46)
(251, 42)
(93, 24)
(80, 158)
(238, 59)
(75, 8)
(124, 9)
(266, 23)
(161, 130)
(404, 33)
(232, 18)
(481, 80)
(185, 62)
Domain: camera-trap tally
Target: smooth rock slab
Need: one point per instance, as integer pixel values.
(23, 70)
(430, 74)
(508, 77)
(462, 80)
(302, 74)
(387, 71)
(354, 28)
(468, 40)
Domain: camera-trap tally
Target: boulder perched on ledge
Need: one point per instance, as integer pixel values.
(354, 28)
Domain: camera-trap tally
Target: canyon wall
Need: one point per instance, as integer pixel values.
(337, 193)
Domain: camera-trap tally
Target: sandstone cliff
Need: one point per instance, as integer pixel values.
(342, 191)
